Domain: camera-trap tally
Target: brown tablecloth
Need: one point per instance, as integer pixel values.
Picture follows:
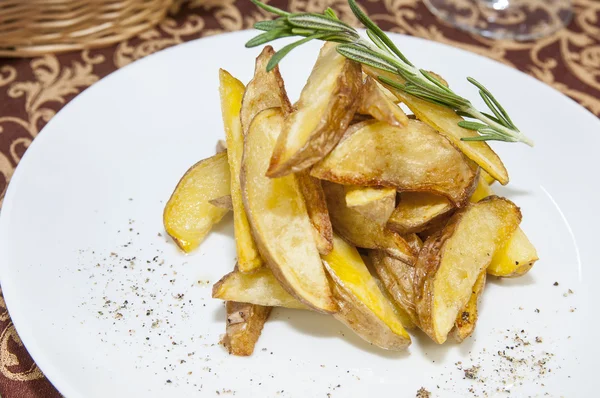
(33, 90)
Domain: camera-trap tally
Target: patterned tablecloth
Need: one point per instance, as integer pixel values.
(33, 90)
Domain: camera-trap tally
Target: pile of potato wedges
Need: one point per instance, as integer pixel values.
(345, 204)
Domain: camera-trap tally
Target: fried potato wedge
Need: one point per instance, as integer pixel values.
(398, 279)
(482, 191)
(260, 288)
(376, 203)
(279, 219)
(515, 258)
(452, 260)
(375, 102)
(232, 91)
(188, 215)
(327, 105)
(244, 326)
(316, 205)
(362, 306)
(445, 120)
(265, 90)
(518, 255)
(223, 202)
(417, 211)
(414, 242)
(360, 230)
(413, 158)
(486, 177)
(467, 317)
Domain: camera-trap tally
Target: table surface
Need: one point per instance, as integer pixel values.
(33, 90)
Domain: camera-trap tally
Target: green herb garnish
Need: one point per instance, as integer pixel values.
(381, 53)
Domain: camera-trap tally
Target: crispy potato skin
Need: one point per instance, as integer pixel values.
(518, 255)
(265, 90)
(363, 307)
(244, 326)
(316, 205)
(297, 148)
(398, 279)
(360, 230)
(439, 261)
(224, 202)
(188, 215)
(366, 324)
(446, 121)
(376, 103)
(231, 91)
(259, 287)
(278, 217)
(417, 211)
(467, 317)
(376, 203)
(414, 158)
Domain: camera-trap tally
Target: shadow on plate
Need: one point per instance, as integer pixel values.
(326, 326)
(524, 280)
(225, 226)
(509, 191)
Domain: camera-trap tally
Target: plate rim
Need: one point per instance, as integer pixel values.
(45, 363)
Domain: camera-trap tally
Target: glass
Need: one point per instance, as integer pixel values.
(505, 19)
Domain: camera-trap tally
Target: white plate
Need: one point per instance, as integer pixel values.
(109, 161)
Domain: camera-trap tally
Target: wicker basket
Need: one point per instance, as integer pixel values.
(34, 27)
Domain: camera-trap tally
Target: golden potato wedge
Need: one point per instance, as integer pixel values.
(445, 120)
(414, 242)
(467, 317)
(452, 260)
(279, 220)
(375, 102)
(316, 205)
(320, 118)
(232, 91)
(518, 255)
(362, 306)
(435, 226)
(360, 230)
(265, 90)
(244, 326)
(417, 211)
(515, 258)
(482, 191)
(188, 215)
(413, 158)
(260, 288)
(376, 203)
(398, 279)
(486, 177)
(400, 313)
(224, 202)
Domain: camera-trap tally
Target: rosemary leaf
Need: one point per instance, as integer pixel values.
(269, 25)
(491, 106)
(369, 24)
(494, 100)
(375, 39)
(278, 56)
(330, 13)
(269, 36)
(317, 22)
(471, 125)
(365, 56)
(270, 9)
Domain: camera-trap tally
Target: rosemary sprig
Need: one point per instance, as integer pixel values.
(381, 53)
